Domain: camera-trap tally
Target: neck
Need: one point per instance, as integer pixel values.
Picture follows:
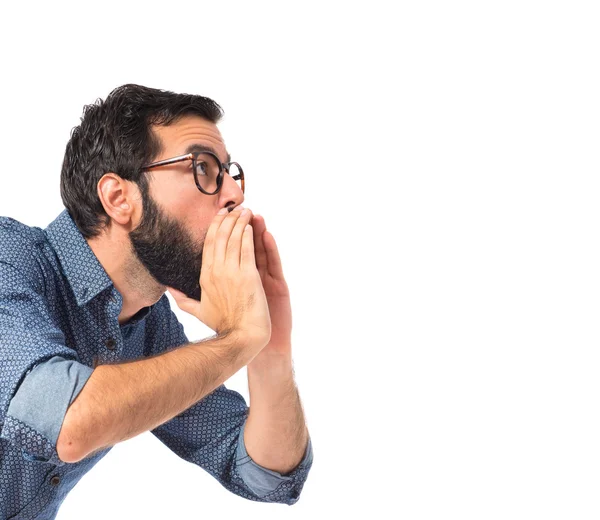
(135, 284)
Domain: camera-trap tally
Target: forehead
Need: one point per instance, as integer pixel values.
(189, 130)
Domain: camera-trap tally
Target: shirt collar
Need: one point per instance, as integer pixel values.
(80, 265)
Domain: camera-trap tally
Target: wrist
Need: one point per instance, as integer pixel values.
(271, 363)
(248, 346)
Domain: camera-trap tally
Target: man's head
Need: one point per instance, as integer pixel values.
(161, 211)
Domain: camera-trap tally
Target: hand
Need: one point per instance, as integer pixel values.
(232, 297)
(276, 290)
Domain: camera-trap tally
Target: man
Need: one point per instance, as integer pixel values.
(91, 353)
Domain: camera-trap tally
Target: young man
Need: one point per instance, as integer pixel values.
(91, 353)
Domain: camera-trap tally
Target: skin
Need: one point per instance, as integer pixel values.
(156, 243)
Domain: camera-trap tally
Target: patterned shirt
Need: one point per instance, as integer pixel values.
(58, 320)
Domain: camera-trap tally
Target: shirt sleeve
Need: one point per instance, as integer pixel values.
(210, 435)
(39, 375)
(263, 481)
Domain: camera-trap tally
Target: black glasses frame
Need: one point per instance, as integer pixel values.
(193, 156)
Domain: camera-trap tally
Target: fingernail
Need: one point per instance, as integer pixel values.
(222, 211)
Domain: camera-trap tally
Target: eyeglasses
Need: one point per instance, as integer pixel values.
(208, 170)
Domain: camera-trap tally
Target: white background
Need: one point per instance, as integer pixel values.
(430, 173)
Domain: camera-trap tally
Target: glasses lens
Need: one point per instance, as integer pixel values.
(207, 172)
(237, 175)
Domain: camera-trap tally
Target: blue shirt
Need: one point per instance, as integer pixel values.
(58, 320)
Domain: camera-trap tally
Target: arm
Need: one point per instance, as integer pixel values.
(210, 435)
(120, 401)
(276, 435)
(39, 373)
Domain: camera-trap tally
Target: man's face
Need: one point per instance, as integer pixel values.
(170, 236)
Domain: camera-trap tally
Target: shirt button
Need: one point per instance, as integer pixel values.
(55, 480)
(110, 344)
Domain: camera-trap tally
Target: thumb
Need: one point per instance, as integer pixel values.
(179, 297)
(185, 303)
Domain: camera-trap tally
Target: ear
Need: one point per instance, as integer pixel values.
(118, 197)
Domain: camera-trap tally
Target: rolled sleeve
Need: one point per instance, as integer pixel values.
(263, 481)
(29, 338)
(41, 403)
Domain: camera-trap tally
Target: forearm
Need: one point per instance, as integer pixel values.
(120, 401)
(275, 434)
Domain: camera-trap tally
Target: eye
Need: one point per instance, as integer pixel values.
(201, 167)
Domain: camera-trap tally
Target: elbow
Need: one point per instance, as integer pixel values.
(68, 447)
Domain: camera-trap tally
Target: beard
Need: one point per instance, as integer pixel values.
(167, 250)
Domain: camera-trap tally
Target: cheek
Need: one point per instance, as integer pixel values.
(197, 221)
(185, 203)
(181, 200)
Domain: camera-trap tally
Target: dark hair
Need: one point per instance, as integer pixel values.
(115, 135)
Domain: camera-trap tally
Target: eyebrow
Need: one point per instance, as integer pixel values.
(204, 148)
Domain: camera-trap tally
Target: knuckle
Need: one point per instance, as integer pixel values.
(233, 245)
(214, 274)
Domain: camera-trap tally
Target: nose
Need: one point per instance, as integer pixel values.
(230, 192)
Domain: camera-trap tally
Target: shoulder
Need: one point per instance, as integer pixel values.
(20, 245)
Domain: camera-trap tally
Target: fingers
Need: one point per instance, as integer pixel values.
(258, 225)
(210, 238)
(234, 245)
(275, 267)
(266, 251)
(247, 259)
(229, 236)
